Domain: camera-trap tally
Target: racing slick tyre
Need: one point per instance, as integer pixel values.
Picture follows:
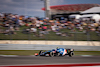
(71, 54)
(40, 52)
(51, 54)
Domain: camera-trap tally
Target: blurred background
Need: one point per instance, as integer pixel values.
(28, 26)
(50, 22)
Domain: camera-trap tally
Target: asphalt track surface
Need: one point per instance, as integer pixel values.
(35, 60)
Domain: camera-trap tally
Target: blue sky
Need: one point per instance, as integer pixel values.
(33, 7)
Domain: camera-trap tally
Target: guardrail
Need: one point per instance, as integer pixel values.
(46, 47)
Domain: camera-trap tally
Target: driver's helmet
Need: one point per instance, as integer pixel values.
(53, 50)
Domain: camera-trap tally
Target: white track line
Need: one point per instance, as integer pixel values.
(9, 55)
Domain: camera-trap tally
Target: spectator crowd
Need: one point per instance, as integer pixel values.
(10, 23)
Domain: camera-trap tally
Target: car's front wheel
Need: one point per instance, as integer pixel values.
(51, 54)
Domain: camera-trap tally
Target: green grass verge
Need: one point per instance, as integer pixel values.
(87, 52)
(32, 52)
(51, 36)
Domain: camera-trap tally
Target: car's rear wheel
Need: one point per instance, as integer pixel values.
(71, 54)
(51, 54)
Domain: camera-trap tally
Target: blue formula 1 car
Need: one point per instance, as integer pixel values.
(57, 52)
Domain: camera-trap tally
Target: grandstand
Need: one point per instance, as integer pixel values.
(65, 10)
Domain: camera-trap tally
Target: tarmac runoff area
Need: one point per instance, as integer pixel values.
(7, 60)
